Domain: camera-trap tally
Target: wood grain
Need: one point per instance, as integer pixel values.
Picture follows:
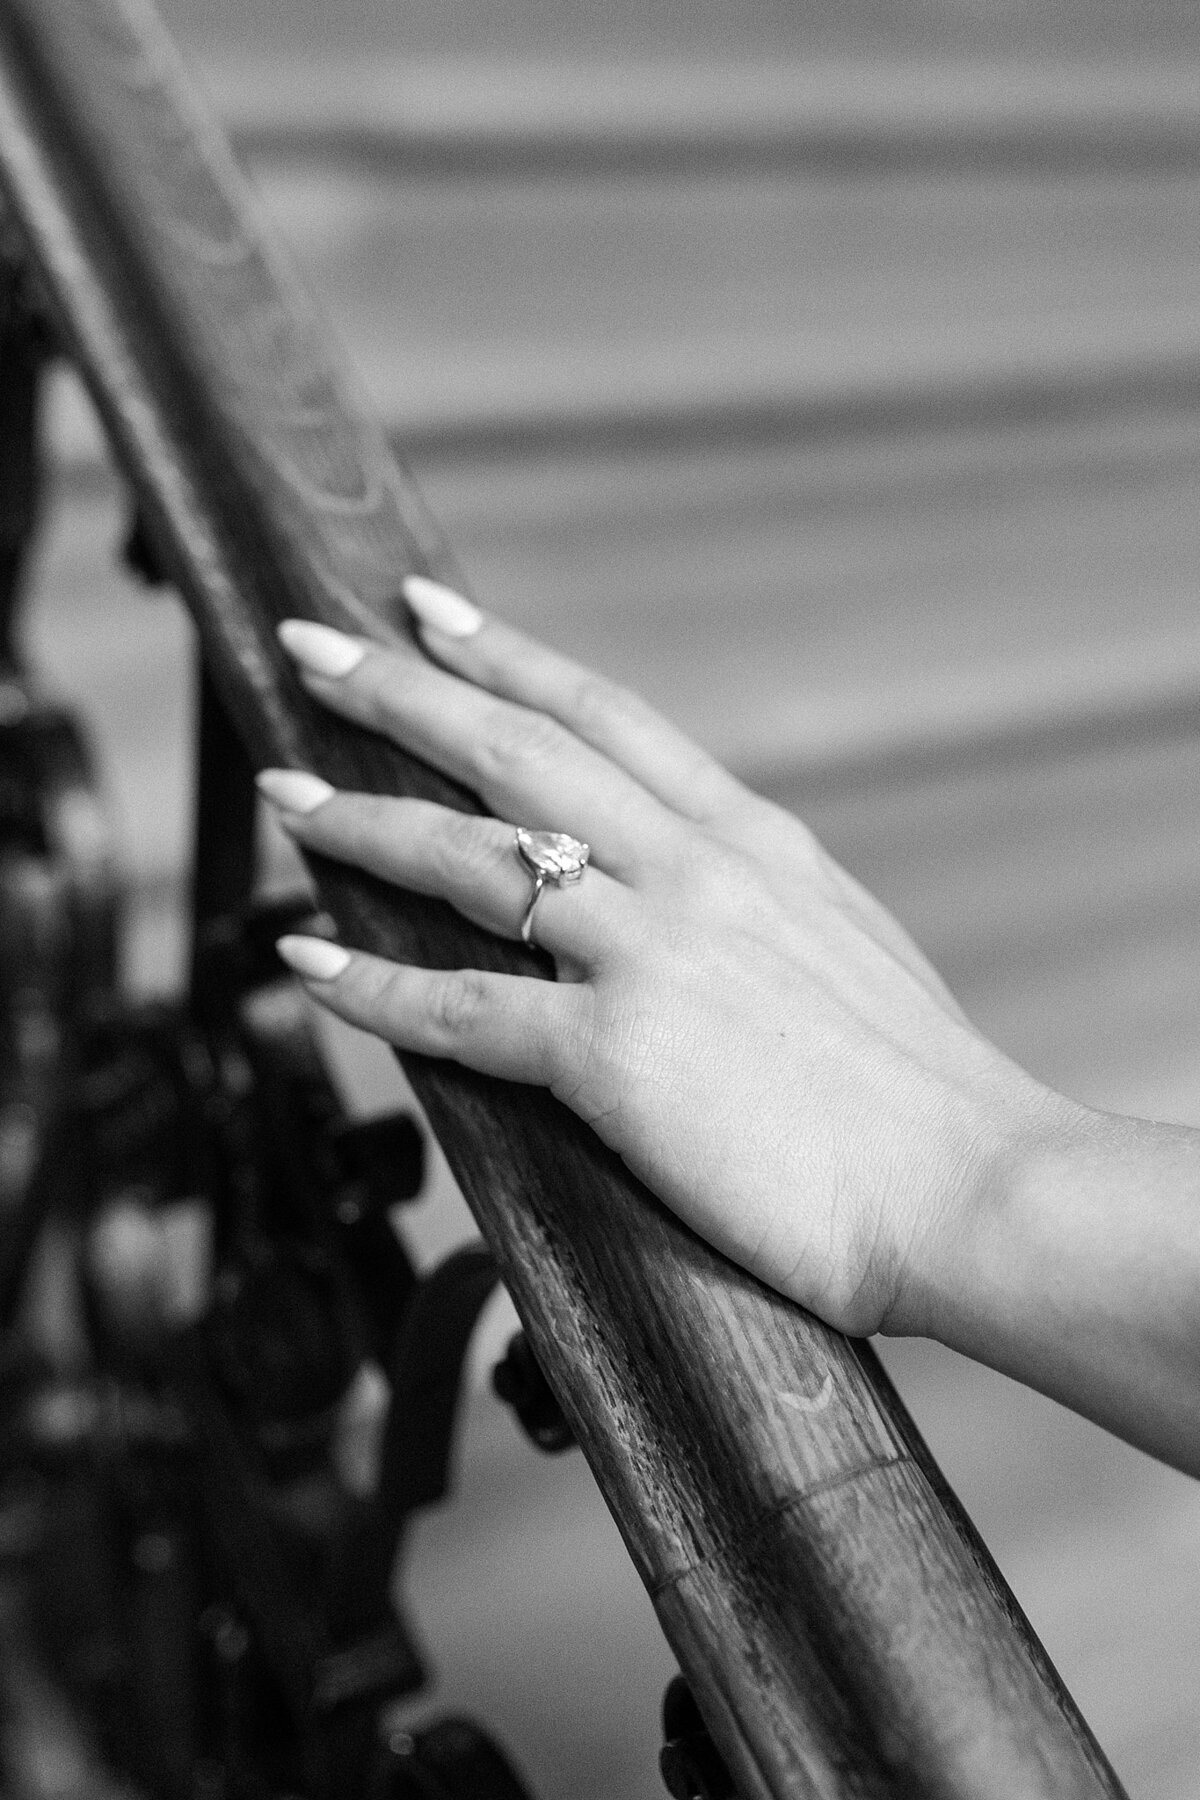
(844, 1628)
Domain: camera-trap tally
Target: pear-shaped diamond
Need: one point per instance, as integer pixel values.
(552, 854)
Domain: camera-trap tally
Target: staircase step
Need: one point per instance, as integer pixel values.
(625, 30)
(482, 119)
(476, 312)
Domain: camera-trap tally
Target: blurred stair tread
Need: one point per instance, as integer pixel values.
(628, 29)
(482, 116)
(475, 313)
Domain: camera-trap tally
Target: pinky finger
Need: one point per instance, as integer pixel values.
(508, 1025)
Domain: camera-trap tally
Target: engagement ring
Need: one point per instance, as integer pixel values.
(548, 856)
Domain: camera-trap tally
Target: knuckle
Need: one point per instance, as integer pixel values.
(769, 824)
(456, 843)
(377, 984)
(456, 1001)
(597, 705)
(515, 741)
(774, 839)
(722, 802)
(714, 876)
(372, 991)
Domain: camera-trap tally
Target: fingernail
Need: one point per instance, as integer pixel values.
(314, 958)
(294, 790)
(440, 607)
(321, 649)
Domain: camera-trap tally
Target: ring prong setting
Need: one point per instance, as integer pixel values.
(551, 857)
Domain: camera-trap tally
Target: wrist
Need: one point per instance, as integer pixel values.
(983, 1250)
(1074, 1267)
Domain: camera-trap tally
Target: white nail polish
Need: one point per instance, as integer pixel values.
(294, 790)
(315, 959)
(441, 608)
(321, 649)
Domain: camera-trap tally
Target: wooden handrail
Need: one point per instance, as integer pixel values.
(842, 1625)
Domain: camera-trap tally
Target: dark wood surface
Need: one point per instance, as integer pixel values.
(841, 1623)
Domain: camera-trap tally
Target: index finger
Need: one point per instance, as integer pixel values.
(528, 768)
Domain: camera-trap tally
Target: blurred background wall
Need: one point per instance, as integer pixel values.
(832, 375)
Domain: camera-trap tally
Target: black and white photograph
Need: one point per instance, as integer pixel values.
(599, 900)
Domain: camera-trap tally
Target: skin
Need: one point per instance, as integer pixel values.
(761, 1041)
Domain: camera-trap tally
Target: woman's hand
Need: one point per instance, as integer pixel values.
(754, 1034)
(757, 1038)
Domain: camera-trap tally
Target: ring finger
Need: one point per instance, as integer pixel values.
(524, 764)
(466, 859)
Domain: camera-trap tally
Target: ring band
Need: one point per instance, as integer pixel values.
(549, 856)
